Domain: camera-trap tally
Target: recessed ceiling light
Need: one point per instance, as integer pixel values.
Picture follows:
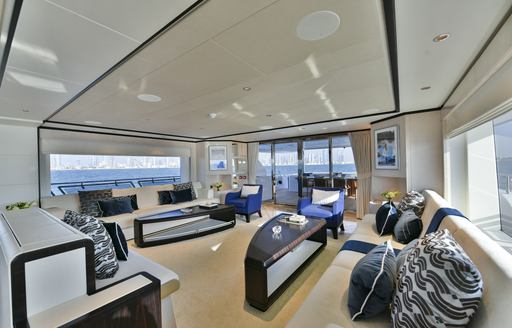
(302, 128)
(93, 122)
(441, 37)
(268, 115)
(266, 127)
(425, 88)
(318, 25)
(324, 128)
(148, 97)
(247, 88)
(212, 115)
(25, 110)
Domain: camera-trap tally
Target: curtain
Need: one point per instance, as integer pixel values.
(252, 159)
(361, 146)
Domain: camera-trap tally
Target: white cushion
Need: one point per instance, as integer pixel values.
(325, 197)
(249, 190)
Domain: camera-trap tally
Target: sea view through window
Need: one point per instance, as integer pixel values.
(71, 173)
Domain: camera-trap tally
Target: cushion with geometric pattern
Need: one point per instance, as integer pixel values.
(438, 285)
(89, 201)
(186, 185)
(105, 261)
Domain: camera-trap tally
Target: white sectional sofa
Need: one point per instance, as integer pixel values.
(147, 200)
(326, 305)
(48, 280)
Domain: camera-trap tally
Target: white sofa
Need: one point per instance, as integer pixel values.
(45, 267)
(326, 305)
(147, 200)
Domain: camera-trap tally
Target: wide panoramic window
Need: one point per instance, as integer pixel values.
(71, 173)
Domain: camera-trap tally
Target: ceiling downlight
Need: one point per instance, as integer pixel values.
(318, 25)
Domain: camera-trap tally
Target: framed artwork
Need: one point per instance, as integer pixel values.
(387, 148)
(218, 158)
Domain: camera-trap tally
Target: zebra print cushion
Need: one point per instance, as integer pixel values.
(186, 185)
(105, 261)
(412, 201)
(438, 285)
(89, 201)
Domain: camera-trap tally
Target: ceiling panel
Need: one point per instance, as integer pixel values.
(204, 62)
(423, 62)
(125, 17)
(60, 47)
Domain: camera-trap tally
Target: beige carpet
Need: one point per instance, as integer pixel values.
(211, 271)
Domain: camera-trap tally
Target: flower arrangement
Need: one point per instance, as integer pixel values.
(19, 205)
(389, 195)
(217, 185)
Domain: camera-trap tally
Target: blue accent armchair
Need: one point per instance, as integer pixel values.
(332, 214)
(246, 206)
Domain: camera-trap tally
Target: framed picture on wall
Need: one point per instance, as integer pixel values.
(387, 148)
(218, 156)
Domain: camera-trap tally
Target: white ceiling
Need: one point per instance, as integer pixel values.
(440, 65)
(201, 64)
(61, 46)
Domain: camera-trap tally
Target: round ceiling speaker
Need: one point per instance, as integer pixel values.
(318, 25)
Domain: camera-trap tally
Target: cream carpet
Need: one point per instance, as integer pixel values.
(211, 271)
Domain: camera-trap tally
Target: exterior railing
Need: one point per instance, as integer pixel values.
(65, 188)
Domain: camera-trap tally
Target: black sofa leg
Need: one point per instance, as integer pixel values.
(335, 232)
(342, 227)
(247, 218)
(259, 213)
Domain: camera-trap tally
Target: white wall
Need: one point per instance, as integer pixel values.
(18, 164)
(424, 146)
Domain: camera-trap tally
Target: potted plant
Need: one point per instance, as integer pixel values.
(389, 195)
(217, 186)
(19, 205)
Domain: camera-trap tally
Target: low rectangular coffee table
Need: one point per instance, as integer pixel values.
(274, 260)
(216, 219)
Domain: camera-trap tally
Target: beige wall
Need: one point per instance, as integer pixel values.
(421, 155)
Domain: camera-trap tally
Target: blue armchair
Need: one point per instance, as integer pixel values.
(246, 206)
(332, 214)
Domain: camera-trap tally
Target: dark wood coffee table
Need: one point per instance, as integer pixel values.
(273, 261)
(219, 218)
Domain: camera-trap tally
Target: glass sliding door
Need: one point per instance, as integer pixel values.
(317, 170)
(264, 170)
(503, 151)
(286, 173)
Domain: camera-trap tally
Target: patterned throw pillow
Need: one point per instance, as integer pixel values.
(438, 285)
(105, 261)
(89, 201)
(186, 185)
(164, 197)
(412, 201)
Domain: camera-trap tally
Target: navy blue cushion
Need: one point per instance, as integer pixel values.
(439, 217)
(164, 197)
(180, 196)
(361, 247)
(386, 218)
(118, 239)
(408, 227)
(372, 283)
(115, 206)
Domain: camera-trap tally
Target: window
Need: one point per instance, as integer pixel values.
(71, 173)
(316, 157)
(503, 147)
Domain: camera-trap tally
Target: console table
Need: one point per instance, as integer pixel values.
(274, 260)
(209, 220)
